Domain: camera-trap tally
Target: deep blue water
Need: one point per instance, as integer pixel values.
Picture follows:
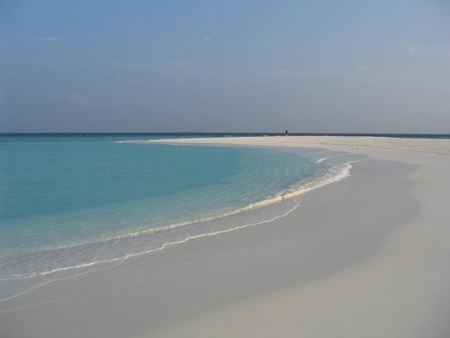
(175, 134)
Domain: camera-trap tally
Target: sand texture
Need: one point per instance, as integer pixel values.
(368, 256)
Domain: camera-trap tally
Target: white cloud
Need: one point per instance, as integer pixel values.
(207, 38)
(48, 39)
(78, 99)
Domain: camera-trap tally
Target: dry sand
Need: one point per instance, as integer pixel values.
(366, 257)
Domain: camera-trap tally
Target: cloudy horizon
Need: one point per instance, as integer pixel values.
(262, 66)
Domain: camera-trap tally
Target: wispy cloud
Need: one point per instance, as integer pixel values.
(360, 73)
(427, 50)
(152, 65)
(79, 99)
(49, 39)
(292, 73)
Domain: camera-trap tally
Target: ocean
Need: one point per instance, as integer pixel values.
(72, 204)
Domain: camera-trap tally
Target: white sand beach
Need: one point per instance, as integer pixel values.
(368, 256)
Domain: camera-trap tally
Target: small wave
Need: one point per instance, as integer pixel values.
(120, 259)
(334, 174)
(135, 141)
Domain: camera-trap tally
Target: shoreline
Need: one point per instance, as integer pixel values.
(241, 216)
(323, 270)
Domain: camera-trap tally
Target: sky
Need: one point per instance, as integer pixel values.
(311, 66)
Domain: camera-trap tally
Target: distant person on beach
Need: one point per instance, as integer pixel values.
(286, 133)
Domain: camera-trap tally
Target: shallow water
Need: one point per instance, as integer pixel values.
(71, 205)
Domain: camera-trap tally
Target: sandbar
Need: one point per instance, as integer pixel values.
(364, 257)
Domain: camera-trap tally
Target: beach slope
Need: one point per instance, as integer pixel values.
(364, 257)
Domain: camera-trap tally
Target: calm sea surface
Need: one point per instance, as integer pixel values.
(70, 204)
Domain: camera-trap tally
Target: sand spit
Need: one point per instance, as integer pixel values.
(365, 257)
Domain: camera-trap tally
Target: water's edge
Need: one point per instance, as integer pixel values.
(254, 214)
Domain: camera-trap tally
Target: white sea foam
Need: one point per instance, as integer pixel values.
(333, 174)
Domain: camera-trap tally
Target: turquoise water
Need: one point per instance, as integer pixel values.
(68, 191)
(74, 202)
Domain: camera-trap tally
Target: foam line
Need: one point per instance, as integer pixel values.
(335, 174)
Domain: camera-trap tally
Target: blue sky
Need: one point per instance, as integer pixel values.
(253, 66)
